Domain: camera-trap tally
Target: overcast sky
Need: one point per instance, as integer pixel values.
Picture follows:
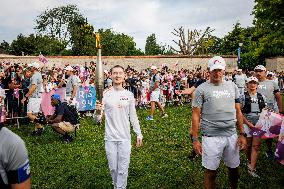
(137, 18)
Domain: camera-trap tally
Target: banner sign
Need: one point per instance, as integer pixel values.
(271, 125)
(279, 153)
(86, 98)
(268, 125)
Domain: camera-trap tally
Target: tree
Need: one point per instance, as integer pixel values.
(192, 40)
(58, 22)
(83, 39)
(36, 44)
(230, 42)
(209, 45)
(151, 47)
(117, 44)
(4, 47)
(269, 24)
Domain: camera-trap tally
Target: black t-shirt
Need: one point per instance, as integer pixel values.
(191, 82)
(62, 109)
(59, 109)
(199, 82)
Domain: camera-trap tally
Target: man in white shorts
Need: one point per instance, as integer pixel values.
(155, 94)
(34, 97)
(71, 86)
(217, 109)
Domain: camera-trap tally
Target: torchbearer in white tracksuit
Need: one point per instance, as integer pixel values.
(118, 105)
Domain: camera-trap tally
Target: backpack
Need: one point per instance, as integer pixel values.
(72, 115)
(247, 106)
(154, 79)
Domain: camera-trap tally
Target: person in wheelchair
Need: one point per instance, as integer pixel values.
(64, 120)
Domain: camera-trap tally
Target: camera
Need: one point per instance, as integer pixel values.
(41, 119)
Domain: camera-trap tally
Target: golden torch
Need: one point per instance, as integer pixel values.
(99, 71)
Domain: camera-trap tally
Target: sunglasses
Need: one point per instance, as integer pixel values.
(258, 70)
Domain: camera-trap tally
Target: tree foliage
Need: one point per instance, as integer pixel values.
(152, 47)
(209, 45)
(58, 22)
(4, 47)
(36, 44)
(83, 39)
(117, 44)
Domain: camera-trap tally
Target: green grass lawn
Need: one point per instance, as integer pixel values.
(161, 163)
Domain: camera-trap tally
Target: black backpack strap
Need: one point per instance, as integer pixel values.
(247, 105)
(261, 102)
(2, 184)
(154, 78)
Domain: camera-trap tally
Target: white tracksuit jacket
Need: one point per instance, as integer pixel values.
(119, 109)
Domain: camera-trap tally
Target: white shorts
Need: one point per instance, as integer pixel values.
(247, 130)
(67, 99)
(215, 148)
(155, 96)
(34, 105)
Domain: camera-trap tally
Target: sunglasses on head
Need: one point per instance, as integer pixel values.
(258, 70)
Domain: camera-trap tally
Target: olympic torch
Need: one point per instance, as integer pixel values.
(99, 72)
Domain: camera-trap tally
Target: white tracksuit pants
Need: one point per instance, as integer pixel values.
(118, 155)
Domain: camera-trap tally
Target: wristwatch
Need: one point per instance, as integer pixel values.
(243, 134)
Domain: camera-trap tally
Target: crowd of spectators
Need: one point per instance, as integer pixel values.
(15, 79)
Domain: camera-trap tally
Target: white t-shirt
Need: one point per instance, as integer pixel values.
(119, 109)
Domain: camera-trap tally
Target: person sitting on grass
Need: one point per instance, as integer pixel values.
(63, 121)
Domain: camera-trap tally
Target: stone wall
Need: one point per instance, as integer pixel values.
(275, 63)
(137, 62)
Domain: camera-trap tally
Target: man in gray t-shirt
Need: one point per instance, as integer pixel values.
(155, 94)
(34, 97)
(14, 162)
(71, 86)
(240, 80)
(269, 89)
(271, 92)
(216, 107)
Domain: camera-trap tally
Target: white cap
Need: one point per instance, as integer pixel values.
(35, 65)
(270, 73)
(252, 78)
(260, 67)
(217, 62)
(239, 70)
(153, 67)
(68, 68)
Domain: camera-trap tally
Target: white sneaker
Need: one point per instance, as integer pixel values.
(165, 115)
(252, 172)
